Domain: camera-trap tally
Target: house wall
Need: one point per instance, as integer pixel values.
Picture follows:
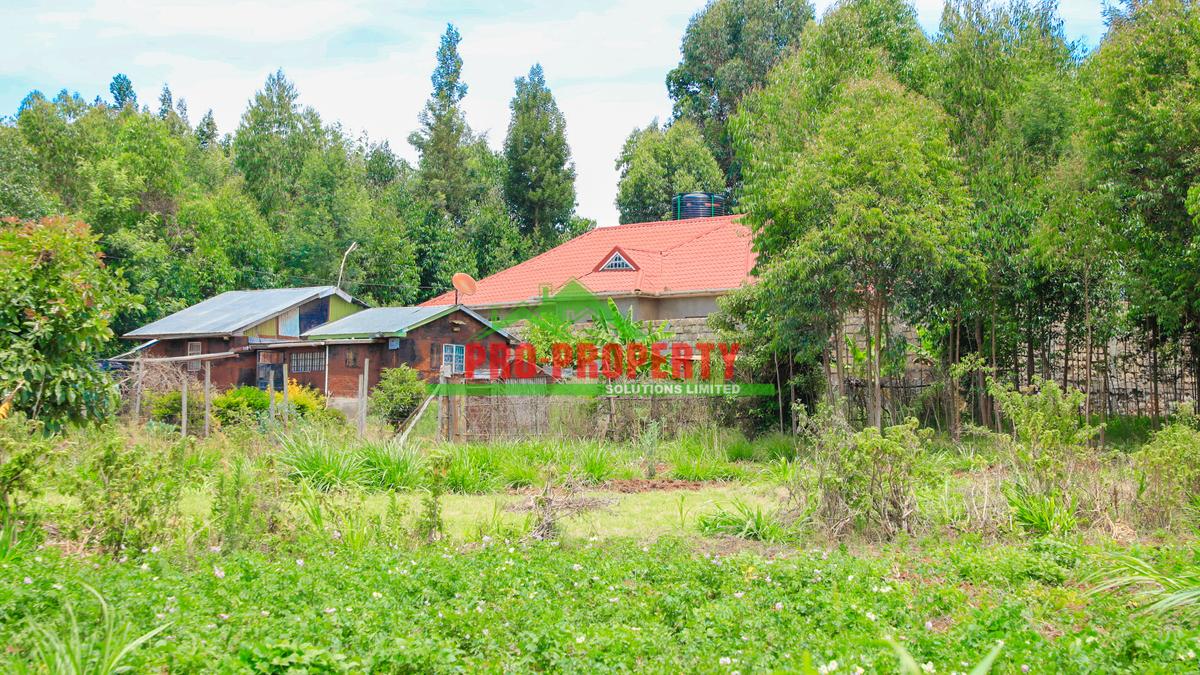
(421, 350)
(226, 373)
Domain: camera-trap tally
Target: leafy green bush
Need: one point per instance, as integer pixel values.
(1050, 436)
(1169, 475)
(868, 479)
(167, 408)
(240, 404)
(290, 657)
(398, 394)
(128, 493)
(23, 448)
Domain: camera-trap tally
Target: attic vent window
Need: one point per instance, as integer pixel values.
(616, 262)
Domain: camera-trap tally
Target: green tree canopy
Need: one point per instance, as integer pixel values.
(656, 164)
(539, 184)
(728, 49)
(58, 304)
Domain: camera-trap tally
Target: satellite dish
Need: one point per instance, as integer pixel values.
(463, 283)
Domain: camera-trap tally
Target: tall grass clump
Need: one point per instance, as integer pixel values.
(747, 521)
(389, 465)
(69, 649)
(320, 459)
(471, 470)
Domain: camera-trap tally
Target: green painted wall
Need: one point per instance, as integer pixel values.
(340, 309)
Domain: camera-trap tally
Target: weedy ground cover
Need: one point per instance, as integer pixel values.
(262, 549)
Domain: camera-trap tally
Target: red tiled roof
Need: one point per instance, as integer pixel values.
(673, 256)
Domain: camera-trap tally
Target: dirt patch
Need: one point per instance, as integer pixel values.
(636, 485)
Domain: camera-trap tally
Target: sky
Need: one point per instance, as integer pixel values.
(366, 63)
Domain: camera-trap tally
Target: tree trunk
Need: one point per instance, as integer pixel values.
(1067, 349)
(778, 389)
(1087, 325)
(1154, 372)
(878, 362)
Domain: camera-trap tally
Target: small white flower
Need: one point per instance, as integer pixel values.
(299, 562)
(145, 567)
(725, 660)
(28, 580)
(576, 567)
(738, 594)
(778, 606)
(330, 610)
(928, 625)
(927, 667)
(377, 595)
(871, 616)
(154, 549)
(579, 639)
(218, 572)
(223, 617)
(265, 613)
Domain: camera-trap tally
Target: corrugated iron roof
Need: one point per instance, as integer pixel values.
(670, 257)
(232, 311)
(380, 321)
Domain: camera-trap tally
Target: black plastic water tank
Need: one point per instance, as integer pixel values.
(698, 205)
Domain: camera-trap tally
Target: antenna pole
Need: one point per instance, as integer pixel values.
(342, 267)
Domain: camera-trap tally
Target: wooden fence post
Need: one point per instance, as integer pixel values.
(183, 407)
(362, 405)
(366, 385)
(137, 400)
(207, 397)
(285, 393)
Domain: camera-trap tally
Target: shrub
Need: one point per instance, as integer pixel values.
(240, 404)
(398, 394)
(245, 506)
(23, 448)
(128, 494)
(308, 403)
(291, 657)
(869, 478)
(168, 408)
(1049, 433)
(1169, 474)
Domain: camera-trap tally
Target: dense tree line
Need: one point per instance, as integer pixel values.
(184, 211)
(1008, 194)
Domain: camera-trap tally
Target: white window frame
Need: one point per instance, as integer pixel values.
(193, 365)
(617, 263)
(456, 356)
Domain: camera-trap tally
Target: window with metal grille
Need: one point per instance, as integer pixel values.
(617, 262)
(308, 362)
(456, 356)
(194, 349)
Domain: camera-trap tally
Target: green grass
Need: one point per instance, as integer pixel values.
(587, 607)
